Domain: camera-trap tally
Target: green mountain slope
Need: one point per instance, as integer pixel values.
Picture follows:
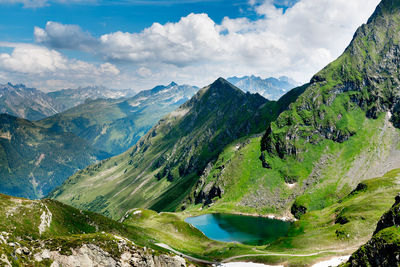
(34, 160)
(332, 137)
(338, 133)
(48, 233)
(384, 247)
(160, 170)
(114, 125)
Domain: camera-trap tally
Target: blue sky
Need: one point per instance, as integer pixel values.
(55, 44)
(109, 16)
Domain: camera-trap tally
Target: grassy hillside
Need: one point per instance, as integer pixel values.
(34, 160)
(38, 233)
(384, 247)
(339, 131)
(114, 125)
(329, 171)
(336, 230)
(161, 169)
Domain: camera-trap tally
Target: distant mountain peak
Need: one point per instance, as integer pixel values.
(270, 88)
(172, 84)
(223, 86)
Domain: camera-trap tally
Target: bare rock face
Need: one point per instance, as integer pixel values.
(390, 218)
(91, 255)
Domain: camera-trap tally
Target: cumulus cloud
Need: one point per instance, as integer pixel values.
(61, 36)
(33, 63)
(297, 42)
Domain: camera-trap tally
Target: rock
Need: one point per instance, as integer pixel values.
(38, 257)
(298, 210)
(5, 261)
(18, 251)
(390, 218)
(26, 251)
(46, 254)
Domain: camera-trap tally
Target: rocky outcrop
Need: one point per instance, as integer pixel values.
(384, 247)
(92, 255)
(390, 218)
(204, 192)
(98, 253)
(298, 210)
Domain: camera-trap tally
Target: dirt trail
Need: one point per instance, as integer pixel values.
(248, 255)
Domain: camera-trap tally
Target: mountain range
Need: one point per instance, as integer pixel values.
(270, 88)
(114, 125)
(38, 156)
(317, 160)
(160, 169)
(33, 104)
(28, 103)
(69, 98)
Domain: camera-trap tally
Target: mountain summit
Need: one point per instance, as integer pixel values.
(365, 78)
(160, 170)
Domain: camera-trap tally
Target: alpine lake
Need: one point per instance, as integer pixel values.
(239, 228)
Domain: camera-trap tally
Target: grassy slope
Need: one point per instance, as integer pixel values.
(34, 160)
(329, 171)
(160, 171)
(190, 136)
(317, 231)
(333, 110)
(69, 228)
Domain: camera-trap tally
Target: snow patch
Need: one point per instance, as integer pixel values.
(39, 160)
(247, 264)
(291, 185)
(332, 262)
(45, 220)
(179, 113)
(137, 212)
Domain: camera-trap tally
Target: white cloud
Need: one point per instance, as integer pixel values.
(61, 36)
(296, 43)
(195, 50)
(32, 63)
(42, 3)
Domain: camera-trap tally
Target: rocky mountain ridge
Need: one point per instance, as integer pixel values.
(169, 158)
(270, 88)
(114, 125)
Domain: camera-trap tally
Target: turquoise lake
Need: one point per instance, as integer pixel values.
(238, 228)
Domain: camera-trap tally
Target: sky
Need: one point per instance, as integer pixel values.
(137, 44)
